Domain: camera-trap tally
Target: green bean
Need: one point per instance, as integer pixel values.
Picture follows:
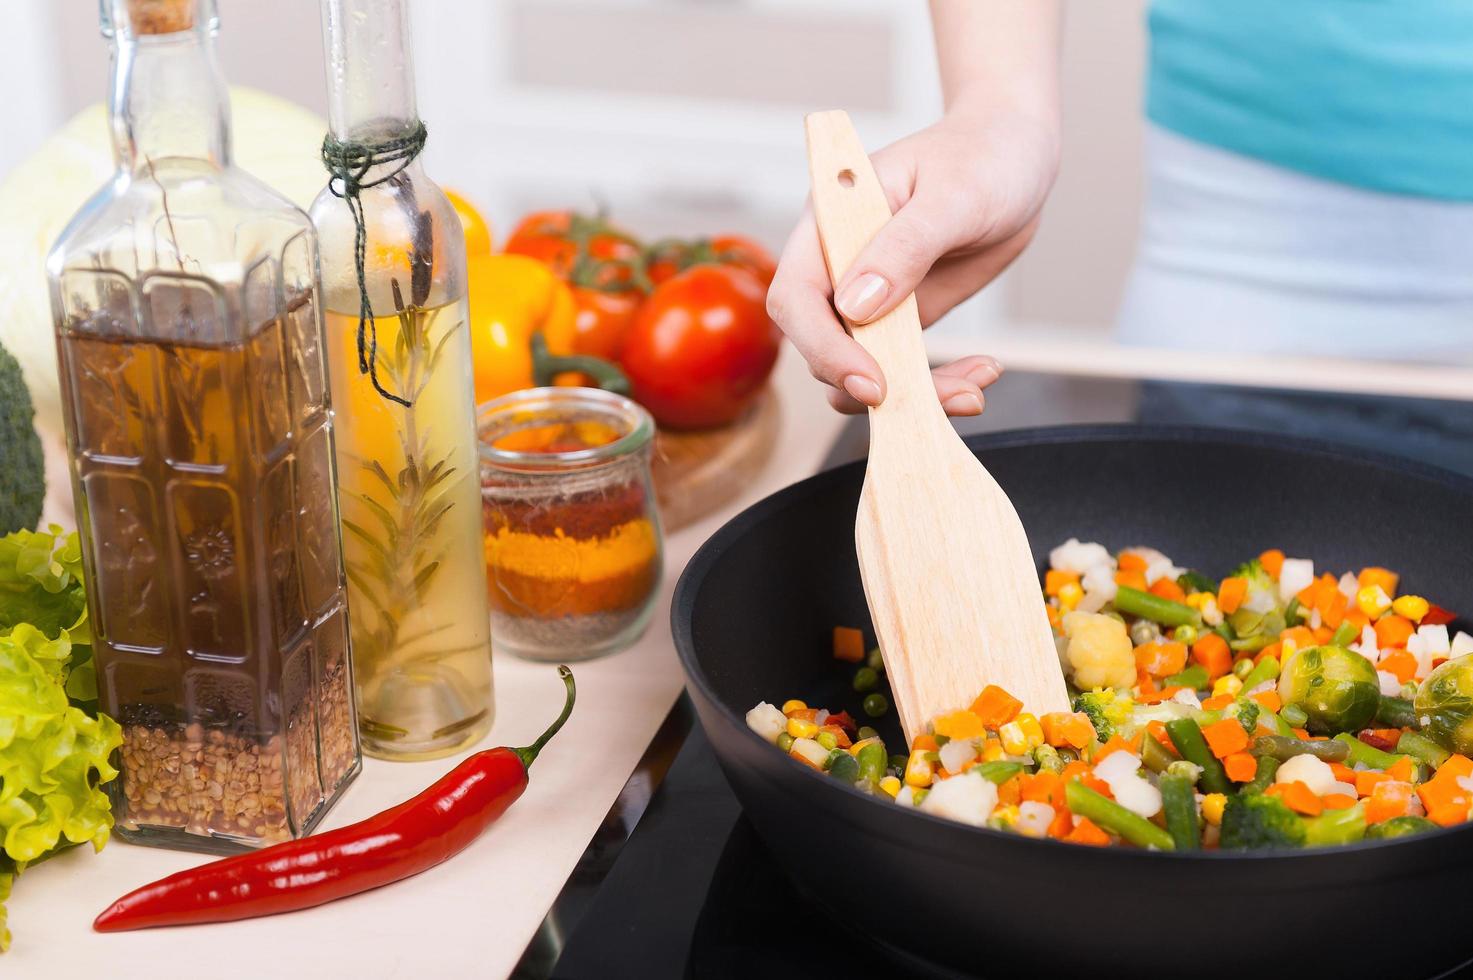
(1048, 759)
(1263, 777)
(875, 704)
(1279, 725)
(1284, 749)
(1291, 611)
(1187, 738)
(1109, 815)
(1242, 668)
(1134, 602)
(1192, 581)
(1344, 635)
(784, 741)
(1396, 712)
(1423, 749)
(998, 770)
(1194, 677)
(871, 759)
(1367, 755)
(1266, 670)
(1179, 804)
(1250, 644)
(1155, 756)
(866, 679)
(1294, 716)
(844, 766)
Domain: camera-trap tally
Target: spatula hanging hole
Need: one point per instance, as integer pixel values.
(846, 178)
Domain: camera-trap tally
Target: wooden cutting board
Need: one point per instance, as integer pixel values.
(697, 473)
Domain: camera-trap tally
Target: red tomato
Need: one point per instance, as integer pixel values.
(561, 238)
(701, 347)
(603, 320)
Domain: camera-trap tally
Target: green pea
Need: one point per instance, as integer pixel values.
(874, 660)
(1185, 634)
(784, 741)
(876, 704)
(866, 679)
(1243, 668)
(867, 732)
(844, 766)
(827, 740)
(899, 762)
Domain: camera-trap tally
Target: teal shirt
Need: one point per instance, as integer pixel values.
(1373, 93)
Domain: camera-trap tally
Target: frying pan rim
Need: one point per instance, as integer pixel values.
(696, 570)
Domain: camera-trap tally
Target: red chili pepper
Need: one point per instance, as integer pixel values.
(1438, 616)
(402, 841)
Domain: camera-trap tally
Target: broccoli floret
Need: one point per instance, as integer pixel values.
(1399, 827)
(22, 469)
(1257, 577)
(1192, 581)
(1260, 821)
(1107, 710)
(1246, 710)
(1336, 827)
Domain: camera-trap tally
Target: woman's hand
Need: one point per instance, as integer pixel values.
(966, 194)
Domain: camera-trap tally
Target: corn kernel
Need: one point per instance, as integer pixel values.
(1287, 649)
(992, 750)
(1195, 599)
(918, 771)
(1229, 684)
(1070, 595)
(1413, 607)
(1032, 730)
(1373, 600)
(890, 786)
(1211, 614)
(794, 705)
(1005, 815)
(1212, 806)
(801, 727)
(1014, 742)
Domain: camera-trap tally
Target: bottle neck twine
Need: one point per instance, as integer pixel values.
(348, 163)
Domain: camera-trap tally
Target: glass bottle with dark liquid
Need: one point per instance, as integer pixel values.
(189, 337)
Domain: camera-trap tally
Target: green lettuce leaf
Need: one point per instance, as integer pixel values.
(54, 751)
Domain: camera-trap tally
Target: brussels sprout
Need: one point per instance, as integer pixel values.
(1337, 688)
(1399, 827)
(1444, 705)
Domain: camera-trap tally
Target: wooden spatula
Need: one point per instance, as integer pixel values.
(950, 580)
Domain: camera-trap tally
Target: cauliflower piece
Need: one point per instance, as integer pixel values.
(1100, 653)
(1120, 771)
(1295, 576)
(766, 720)
(1034, 818)
(1390, 684)
(956, 754)
(1461, 646)
(967, 798)
(1077, 556)
(1312, 772)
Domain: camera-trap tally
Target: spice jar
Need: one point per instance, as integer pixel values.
(573, 543)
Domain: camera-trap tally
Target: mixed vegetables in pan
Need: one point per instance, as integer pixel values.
(1272, 708)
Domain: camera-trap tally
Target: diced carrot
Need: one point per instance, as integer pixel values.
(1167, 589)
(1334, 612)
(1085, 832)
(1374, 576)
(1010, 791)
(1217, 702)
(1337, 801)
(1161, 659)
(1269, 700)
(1444, 795)
(1301, 734)
(1118, 744)
(1130, 561)
(1213, 653)
(1054, 580)
(1225, 737)
(924, 743)
(1404, 770)
(1302, 636)
(1131, 580)
(1301, 799)
(1145, 686)
(1343, 773)
(1323, 635)
(1157, 730)
(804, 714)
(1062, 824)
(1230, 594)
(841, 737)
(848, 644)
(1272, 561)
(1274, 650)
(1366, 780)
(1241, 767)
(1447, 816)
(960, 724)
(996, 707)
(1400, 663)
(1393, 631)
(1041, 787)
(1388, 799)
(1072, 771)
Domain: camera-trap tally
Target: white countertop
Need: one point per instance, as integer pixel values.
(473, 915)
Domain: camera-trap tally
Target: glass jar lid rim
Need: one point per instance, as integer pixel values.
(641, 427)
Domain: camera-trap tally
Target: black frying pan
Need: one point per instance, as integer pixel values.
(753, 616)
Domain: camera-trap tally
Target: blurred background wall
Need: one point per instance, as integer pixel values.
(680, 116)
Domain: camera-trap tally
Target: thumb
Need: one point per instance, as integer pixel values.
(893, 264)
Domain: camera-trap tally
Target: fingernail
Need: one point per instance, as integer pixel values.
(993, 365)
(863, 390)
(862, 298)
(963, 403)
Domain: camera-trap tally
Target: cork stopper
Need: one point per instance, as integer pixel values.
(160, 16)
